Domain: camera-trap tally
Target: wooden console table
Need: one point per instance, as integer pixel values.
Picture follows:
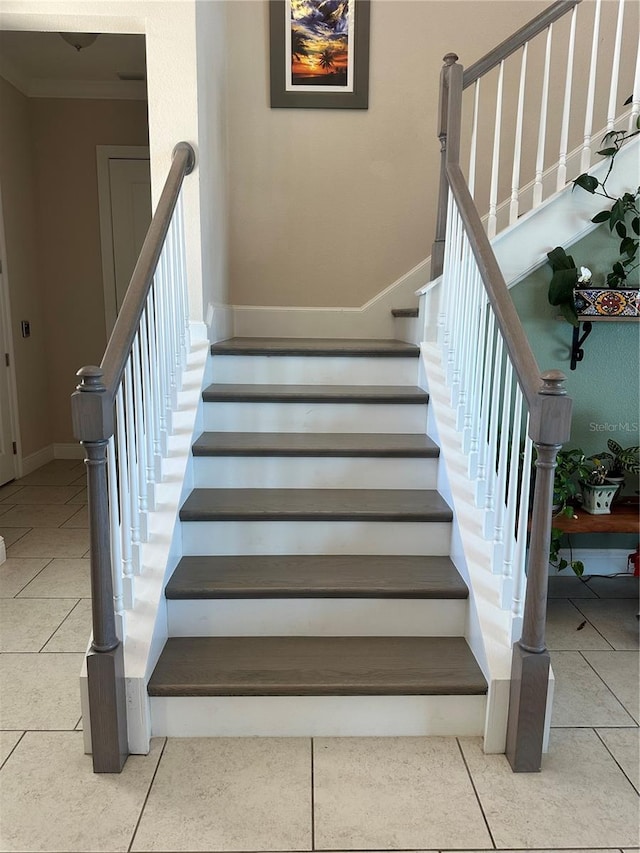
(623, 518)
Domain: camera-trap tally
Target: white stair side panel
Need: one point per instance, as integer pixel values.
(319, 617)
(315, 417)
(302, 370)
(200, 538)
(322, 472)
(317, 716)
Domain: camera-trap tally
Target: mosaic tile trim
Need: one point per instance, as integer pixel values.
(607, 302)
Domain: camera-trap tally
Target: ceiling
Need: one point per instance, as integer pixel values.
(44, 65)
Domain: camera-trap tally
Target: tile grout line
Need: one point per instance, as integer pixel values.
(609, 689)
(61, 623)
(622, 770)
(475, 791)
(51, 559)
(146, 799)
(13, 749)
(588, 621)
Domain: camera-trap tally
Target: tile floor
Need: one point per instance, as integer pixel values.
(279, 794)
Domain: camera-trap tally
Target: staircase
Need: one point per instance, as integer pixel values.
(315, 595)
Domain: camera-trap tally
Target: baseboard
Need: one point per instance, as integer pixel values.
(36, 460)
(73, 450)
(3, 551)
(219, 322)
(371, 320)
(597, 561)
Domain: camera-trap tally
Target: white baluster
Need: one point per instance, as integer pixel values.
(184, 279)
(141, 439)
(517, 150)
(585, 159)
(174, 306)
(460, 318)
(504, 444)
(148, 402)
(454, 319)
(125, 500)
(492, 444)
(485, 410)
(519, 575)
(470, 436)
(495, 161)
(466, 303)
(542, 129)
(444, 286)
(155, 373)
(119, 603)
(512, 501)
(132, 460)
(615, 70)
(161, 355)
(564, 133)
(474, 138)
(635, 100)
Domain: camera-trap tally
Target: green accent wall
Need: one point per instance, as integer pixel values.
(605, 386)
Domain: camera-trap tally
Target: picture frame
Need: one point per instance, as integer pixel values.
(319, 54)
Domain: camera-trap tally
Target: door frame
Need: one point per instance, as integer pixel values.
(104, 153)
(7, 328)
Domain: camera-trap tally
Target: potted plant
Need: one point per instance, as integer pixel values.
(620, 461)
(597, 494)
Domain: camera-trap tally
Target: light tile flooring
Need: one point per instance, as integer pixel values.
(278, 794)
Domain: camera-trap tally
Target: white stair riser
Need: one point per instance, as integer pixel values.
(303, 370)
(316, 417)
(319, 617)
(262, 472)
(200, 538)
(317, 716)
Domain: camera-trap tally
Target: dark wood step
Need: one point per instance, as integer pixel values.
(314, 505)
(315, 347)
(316, 666)
(317, 576)
(231, 393)
(314, 444)
(404, 312)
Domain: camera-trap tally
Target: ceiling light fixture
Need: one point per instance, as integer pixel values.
(80, 40)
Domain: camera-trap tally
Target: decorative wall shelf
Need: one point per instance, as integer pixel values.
(598, 304)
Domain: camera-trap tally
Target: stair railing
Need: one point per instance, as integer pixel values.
(122, 414)
(534, 107)
(504, 406)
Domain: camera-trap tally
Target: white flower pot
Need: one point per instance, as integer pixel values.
(597, 499)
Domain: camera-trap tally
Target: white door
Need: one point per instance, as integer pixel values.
(124, 185)
(7, 456)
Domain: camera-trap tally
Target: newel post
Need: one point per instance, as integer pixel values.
(92, 413)
(549, 428)
(444, 133)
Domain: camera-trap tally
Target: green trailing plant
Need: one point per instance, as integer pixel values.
(623, 216)
(564, 280)
(571, 466)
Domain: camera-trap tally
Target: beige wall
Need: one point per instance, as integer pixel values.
(328, 207)
(17, 185)
(53, 245)
(66, 133)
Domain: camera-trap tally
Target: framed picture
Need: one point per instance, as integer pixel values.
(319, 54)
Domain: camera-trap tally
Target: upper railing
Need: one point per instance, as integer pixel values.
(534, 107)
(122, 416)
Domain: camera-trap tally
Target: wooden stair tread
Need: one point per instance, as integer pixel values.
(315, 576)
(315, 347)
(295, 666)
(232, 393)
(404, 312)
(314, 444)
(315, 505)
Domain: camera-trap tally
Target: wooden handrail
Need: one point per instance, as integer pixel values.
(517, 40)
(92, 408)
